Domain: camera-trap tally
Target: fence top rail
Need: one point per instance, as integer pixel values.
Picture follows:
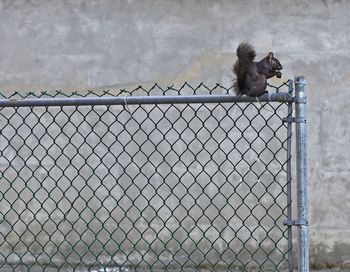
(144, 90)
(139, 100)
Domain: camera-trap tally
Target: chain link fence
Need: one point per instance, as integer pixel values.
(145, 187)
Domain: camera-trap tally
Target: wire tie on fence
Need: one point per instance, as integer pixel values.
(126, 103)
(126, 106)
(262, 106)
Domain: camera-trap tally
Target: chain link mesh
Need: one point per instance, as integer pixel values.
(139, 188)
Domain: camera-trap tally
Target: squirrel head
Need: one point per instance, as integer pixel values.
(276, 65)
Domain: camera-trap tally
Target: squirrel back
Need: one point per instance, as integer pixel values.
(252, 76)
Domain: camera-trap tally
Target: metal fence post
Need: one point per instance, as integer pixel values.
(301, 175)
(289, 178)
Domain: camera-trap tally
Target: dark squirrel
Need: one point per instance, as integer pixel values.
(252, 76)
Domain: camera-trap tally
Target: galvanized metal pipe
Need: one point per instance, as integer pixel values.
(289, 179)
(138, 100)
(301, 175)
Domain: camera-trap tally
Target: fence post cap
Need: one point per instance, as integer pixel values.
(300, 80)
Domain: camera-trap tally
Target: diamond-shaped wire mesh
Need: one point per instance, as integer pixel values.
(149, 187)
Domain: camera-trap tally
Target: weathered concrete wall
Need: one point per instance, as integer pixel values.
(49, 45)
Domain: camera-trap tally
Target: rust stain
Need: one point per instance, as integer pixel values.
(201, 64)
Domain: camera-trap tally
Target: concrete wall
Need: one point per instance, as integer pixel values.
(76, 45)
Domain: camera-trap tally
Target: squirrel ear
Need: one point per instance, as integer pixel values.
(270, 56)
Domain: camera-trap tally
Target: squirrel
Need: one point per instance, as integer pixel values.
(252, 76)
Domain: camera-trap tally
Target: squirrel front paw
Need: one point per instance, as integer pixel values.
(278, 74)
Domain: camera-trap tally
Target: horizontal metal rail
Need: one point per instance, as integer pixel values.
(138, 100)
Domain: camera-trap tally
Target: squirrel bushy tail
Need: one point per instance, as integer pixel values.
(246, 55)
(252, 76)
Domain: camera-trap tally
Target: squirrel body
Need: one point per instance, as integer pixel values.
(252, 76)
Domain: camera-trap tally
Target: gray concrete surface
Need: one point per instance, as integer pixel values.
(79, 45)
